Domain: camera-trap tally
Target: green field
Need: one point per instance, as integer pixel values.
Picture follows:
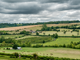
(61, 41)
(57, 52)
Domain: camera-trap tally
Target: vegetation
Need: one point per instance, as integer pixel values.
(38, 44)
(3, 25)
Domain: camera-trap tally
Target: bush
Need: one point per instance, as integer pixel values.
(15, 46)
(35, 56)
(12, 57)
(8, 48)
(16, 55)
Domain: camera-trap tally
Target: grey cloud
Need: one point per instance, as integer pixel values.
(54, 1)
(75, 14)
(42, 1)
(16, 1)
(29, 8)
(71, 5)
(69, 8)
(74, 2)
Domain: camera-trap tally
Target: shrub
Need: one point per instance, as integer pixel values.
(35, 56)
(8, 48)
(16, 55)
(15, 46)
(12, 57)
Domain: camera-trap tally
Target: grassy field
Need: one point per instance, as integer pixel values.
(56, 52)
(61, 41)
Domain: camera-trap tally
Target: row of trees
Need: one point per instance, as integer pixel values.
(3, 25)
(45, 28)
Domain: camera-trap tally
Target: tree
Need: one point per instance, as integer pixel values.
(64, 32)
(25, 32)
(44, 27)
(56, 35)
(16, 55)
(43, 33)
(37, 33)
(43, 41)
(15, 46)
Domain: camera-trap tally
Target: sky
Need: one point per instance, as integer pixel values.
(32, 11)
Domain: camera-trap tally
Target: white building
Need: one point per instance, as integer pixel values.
(19, 48)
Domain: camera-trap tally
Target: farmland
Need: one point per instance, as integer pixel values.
(41, 39)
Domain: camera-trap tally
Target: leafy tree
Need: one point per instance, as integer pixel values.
(37, 33)
(64, 32)
(15, 46)
(48, 34)
(56, 35)
(16, 55)
(43, 41)
(43, 33)
(25, 32)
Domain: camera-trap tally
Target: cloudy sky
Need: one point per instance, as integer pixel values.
(32, 11)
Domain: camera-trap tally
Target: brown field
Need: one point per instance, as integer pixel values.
(34, 27)
(20, 27)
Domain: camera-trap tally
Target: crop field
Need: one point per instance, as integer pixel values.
(56, 52)
(61, 41)
(20, 27)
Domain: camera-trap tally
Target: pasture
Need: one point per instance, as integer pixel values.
(61, 41)
(55, 52)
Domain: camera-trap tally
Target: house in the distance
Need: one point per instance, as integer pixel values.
(19, 48)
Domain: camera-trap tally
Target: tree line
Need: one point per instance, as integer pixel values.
(3, 25)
